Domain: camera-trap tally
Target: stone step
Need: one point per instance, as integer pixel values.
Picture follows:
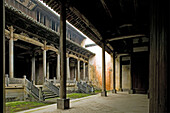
(52, 96)
(47, 91)
(49, 94)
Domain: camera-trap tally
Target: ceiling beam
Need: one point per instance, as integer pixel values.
(106, 8)
(126, 37)
(86, 21)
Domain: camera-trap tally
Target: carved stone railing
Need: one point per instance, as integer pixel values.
(85, 88)
(33, 90)
(19, 81)
(16, 81)
(29, 88)
(52, 87)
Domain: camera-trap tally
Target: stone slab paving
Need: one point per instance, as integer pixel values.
(113, 103)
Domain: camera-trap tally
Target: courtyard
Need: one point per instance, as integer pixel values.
(122, 102)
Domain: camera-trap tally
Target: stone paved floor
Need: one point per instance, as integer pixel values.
(113, 103)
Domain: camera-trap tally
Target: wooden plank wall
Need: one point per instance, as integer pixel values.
(159, 57)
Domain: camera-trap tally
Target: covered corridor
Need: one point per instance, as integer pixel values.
(136, 29)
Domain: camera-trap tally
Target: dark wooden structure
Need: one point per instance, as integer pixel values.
(118, 23)
(2, 32)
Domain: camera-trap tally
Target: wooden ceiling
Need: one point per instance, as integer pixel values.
(105, 20)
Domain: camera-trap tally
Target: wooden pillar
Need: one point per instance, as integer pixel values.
(37, 77)
(48, 69)
(89, 77)
(33, 69)
(103, 93)
(11, 53)
(68, 69)
(58, 66)
(63, 103)
(120, 89)
(75, 73)
(2, 23)
(78, 69)
(84, 71)
(44, 61)
(159, 72)
(114, 73)
(131, 91)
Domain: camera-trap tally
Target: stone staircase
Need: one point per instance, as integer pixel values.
(47, 93)
(50, 90)
(84, 87)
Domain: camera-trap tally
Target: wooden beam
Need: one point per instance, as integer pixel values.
(52, 48)
(126, 37)
(49, 3)
(106, 8)
(83, 60)
(77, 53)
(86, 21)
(73, 56)
(25, 39)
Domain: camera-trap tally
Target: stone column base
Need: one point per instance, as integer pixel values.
(131, 91)
(63, 103)
(114, 91)
(104, 93)
(121, 90)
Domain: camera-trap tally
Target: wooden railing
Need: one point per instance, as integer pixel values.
(81, 88)
(29, 88)
(33, 90)
(52, 87)
(85, 88)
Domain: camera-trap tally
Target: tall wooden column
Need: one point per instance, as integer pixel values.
(89, 77)
(75, 73)
(78, 69)
(11, 53)
(120, 89)
(58, 66)
(84, 71)
(103, 93)
(48, 69)
(114, 74)
(2, 40)
(68, 69)
(159, 72)
(44, 61)
(63, 103)
(131, 91)
(33, 69)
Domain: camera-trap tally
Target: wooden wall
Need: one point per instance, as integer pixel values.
(159, 57)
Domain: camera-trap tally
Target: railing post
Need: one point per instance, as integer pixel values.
(6, 79)
(24, 85)
(40, 93)
(54, 83)
(24, 79)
